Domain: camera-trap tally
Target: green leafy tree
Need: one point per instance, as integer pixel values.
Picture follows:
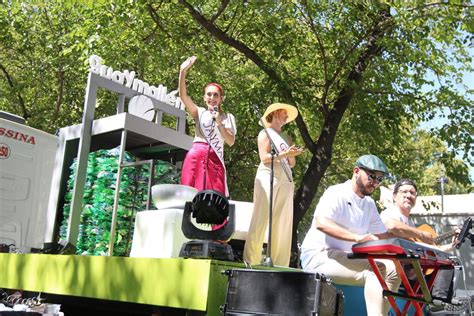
(362, 64)
(363, 74)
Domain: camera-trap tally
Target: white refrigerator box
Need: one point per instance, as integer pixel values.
(26, 168)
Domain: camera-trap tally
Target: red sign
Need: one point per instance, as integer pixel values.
(4, 151)
(16, 135)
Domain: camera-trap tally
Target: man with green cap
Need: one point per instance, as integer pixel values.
(345, 215)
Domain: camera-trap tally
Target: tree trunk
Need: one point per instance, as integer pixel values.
(323, 151)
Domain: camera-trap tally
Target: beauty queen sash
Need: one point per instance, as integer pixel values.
(211, 133)
(280, 145)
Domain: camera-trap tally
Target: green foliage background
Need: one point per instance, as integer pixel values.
(98, 201)
(306, 53)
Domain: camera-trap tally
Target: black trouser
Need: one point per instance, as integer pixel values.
(443, 285)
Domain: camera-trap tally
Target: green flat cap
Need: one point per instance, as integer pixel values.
(372, 162)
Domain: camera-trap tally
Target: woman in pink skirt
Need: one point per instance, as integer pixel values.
(204, 167)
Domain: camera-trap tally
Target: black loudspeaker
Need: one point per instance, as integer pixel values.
(265, 292)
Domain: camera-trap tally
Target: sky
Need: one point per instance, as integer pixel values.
(439, 121)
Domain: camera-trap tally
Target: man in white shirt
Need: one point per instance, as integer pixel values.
(345, 215)
(397, 220)
(397, 217)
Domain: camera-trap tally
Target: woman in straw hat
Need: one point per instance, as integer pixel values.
(276, 115)
(204, 167)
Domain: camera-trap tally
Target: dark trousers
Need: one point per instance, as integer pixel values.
(443, 285)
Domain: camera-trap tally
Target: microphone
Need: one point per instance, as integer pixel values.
(215, 109)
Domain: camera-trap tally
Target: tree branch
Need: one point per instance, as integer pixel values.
(59, 98)
(224, 4)
(239, 46)
(379, 27)
(21, 102)
(435, 4)
(255, 58)
(156, 18)
(322, 158)
(322, 49)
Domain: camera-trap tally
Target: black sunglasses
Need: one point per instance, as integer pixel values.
(372, 177)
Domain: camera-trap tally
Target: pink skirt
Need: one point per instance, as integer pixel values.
(197, 167)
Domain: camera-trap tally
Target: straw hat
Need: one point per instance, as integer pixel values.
(290, 110)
